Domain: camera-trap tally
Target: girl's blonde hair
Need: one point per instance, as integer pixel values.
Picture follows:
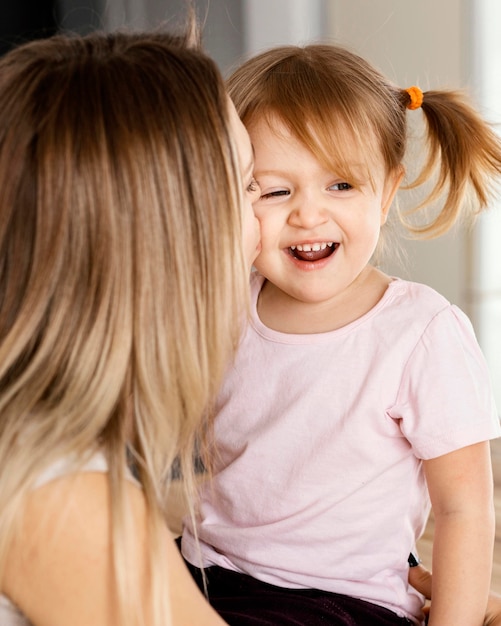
(121, 270)
(335, 103)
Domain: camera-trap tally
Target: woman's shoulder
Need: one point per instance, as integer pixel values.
(61, 561)
(60, 557)
(96, 462)
(64, 528)
(10, 615)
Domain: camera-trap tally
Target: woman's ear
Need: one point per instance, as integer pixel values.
(391, 185)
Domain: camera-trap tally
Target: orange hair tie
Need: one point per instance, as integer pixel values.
(416, 98)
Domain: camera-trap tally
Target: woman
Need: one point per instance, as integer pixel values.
(127, 184)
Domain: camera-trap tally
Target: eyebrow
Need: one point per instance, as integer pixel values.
(357, 172)
(272, 173)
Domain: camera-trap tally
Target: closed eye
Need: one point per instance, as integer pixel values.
(275, 194)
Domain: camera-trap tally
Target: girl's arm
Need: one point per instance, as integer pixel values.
(421, 579)
(461, 492)
(60, 573)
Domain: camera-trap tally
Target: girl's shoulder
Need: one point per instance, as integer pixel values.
(413, 294)
(415, 309)
(418, 302)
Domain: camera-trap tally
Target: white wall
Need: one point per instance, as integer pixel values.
(223, 29)
(486, 270)
(275, 22)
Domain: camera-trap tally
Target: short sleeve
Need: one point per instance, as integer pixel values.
(445, 399)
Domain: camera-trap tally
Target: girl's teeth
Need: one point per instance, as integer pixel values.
(312, 247)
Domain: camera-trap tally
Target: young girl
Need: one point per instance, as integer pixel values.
(354, 395)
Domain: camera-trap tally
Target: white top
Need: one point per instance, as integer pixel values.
(318, 479)
(9, 614)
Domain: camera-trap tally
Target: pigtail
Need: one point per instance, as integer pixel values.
(464, 154)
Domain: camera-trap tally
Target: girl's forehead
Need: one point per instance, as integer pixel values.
(336, 146)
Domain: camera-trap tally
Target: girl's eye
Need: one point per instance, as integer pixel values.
(341, 187)
(275, 194)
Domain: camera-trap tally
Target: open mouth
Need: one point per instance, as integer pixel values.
(313, 251)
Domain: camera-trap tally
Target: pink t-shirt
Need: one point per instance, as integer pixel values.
(319, 481)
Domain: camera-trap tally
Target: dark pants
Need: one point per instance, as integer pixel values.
(244, 601)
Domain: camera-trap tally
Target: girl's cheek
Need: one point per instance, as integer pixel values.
(259, 210)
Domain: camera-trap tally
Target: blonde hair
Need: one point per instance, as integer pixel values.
(330, 97)
(121, 270)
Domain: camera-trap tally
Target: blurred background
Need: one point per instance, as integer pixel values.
(446, 44)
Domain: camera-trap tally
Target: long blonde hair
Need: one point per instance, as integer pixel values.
(121, 271)
(330, 97)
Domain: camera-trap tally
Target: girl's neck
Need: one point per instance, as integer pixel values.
(281, 312)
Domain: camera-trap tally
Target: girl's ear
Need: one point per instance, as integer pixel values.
(391, 185)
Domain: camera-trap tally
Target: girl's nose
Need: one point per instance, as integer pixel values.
(307, 215)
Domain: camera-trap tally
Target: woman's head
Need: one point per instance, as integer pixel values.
(120, 243)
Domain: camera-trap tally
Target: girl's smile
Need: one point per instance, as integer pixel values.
(312, 252)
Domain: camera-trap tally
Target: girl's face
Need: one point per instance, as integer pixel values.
(250, 225)
(318, 232)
